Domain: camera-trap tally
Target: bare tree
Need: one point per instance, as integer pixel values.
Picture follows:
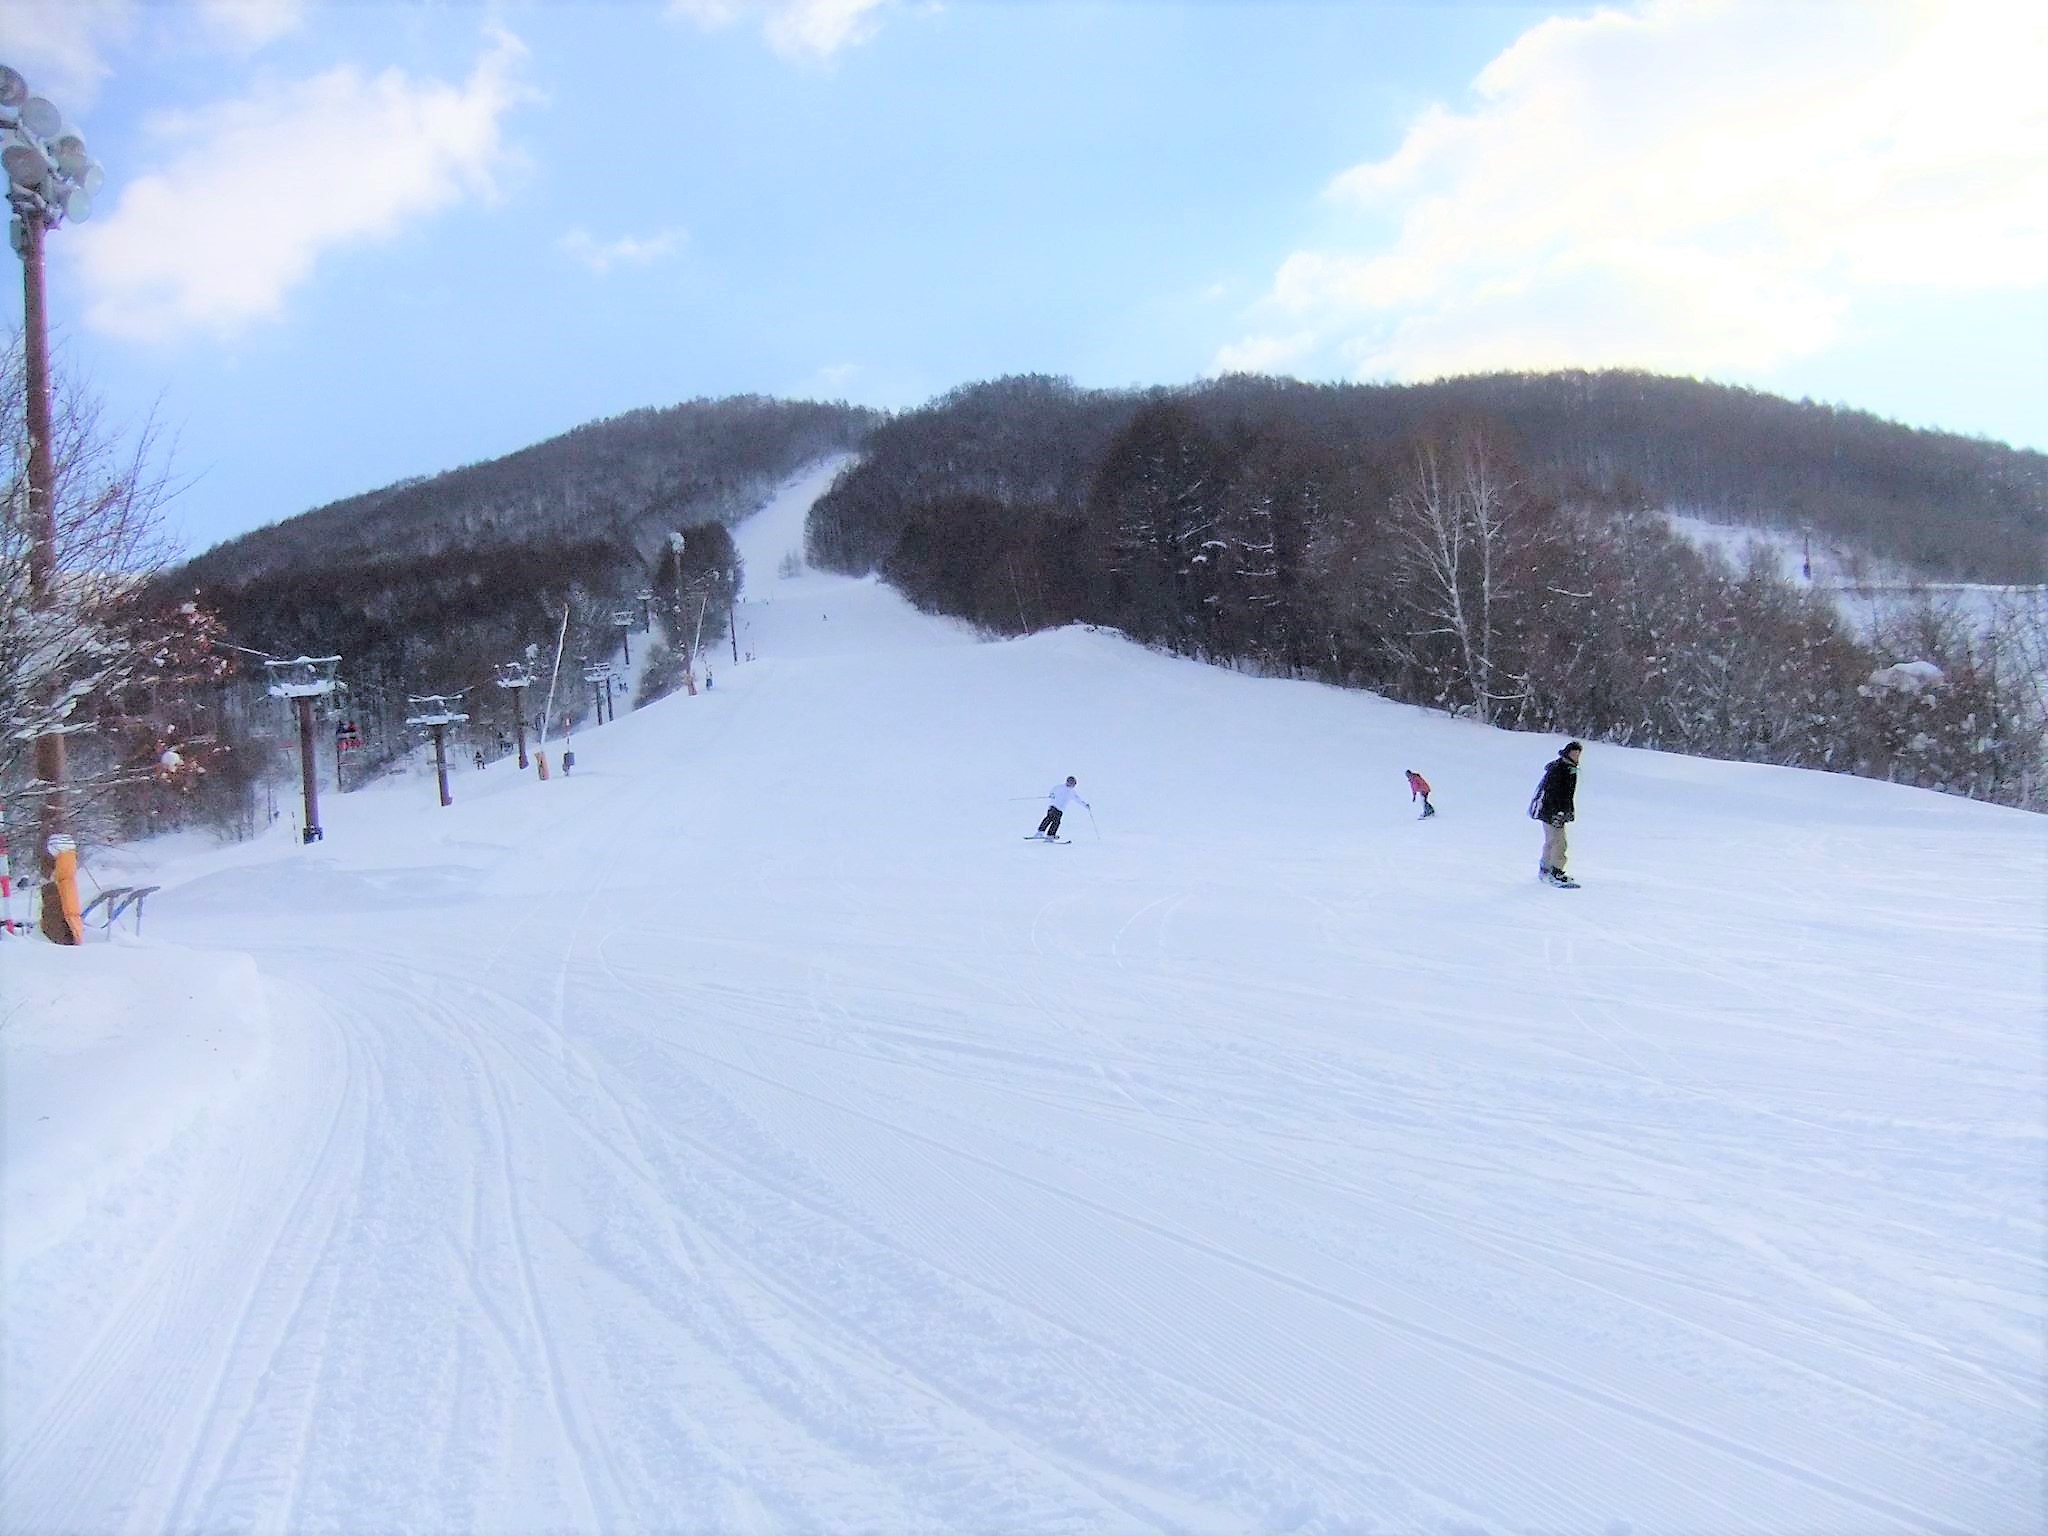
(66, 652)
(1453, 523)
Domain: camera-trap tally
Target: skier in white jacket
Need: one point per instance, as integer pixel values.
(1061, 796)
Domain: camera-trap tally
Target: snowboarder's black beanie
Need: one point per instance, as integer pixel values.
(1572, 746)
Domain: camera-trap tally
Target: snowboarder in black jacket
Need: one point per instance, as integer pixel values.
(1553, 805)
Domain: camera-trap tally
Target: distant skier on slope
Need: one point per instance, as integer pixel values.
(1061, 796)
(1418, 789)
(1553, 805)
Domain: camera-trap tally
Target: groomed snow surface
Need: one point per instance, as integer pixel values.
(753, 1132)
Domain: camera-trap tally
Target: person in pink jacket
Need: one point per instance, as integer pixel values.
(1418, 789)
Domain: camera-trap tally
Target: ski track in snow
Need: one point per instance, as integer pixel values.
(737, 1136)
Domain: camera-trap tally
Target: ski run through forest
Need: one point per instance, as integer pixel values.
(752, 1131)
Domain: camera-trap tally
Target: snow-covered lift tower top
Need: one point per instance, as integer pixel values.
(434, 709)
(303, 677)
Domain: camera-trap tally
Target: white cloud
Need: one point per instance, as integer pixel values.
(600, 256)
(805, 30)
(256, 190)
(1267, 353)
(1696, 186)
(250, 24)
(832, 380)
(62, 45)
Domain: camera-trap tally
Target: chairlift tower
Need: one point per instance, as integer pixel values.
(599, 676)
(514, 676)
(622, 621)
(645, 597)
(436, 715)
(302, 680)
(346, 738)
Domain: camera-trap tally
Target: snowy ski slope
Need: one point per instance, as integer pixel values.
(1866, 592)
(753, 1133)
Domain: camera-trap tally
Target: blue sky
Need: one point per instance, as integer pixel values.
(345, 243)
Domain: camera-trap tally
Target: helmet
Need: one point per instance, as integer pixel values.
(1070, 778)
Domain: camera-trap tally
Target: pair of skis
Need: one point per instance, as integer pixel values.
(1040, 837)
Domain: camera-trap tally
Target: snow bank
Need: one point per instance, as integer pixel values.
(122, 1069)
(1908, 677)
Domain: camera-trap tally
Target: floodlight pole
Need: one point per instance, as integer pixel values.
(49, 177)
(732, 613)
(51, 768)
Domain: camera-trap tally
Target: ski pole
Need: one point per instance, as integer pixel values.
(1091, 821)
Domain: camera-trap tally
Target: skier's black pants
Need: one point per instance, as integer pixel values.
(1050, 827)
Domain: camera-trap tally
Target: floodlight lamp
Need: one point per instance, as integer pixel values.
(13, 88)
(26, 163)
(76, 203)
(39, 115)
(92, 179)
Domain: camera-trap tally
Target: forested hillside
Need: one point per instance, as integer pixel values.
(1488, 545)
(429, 585)
(628, 480)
